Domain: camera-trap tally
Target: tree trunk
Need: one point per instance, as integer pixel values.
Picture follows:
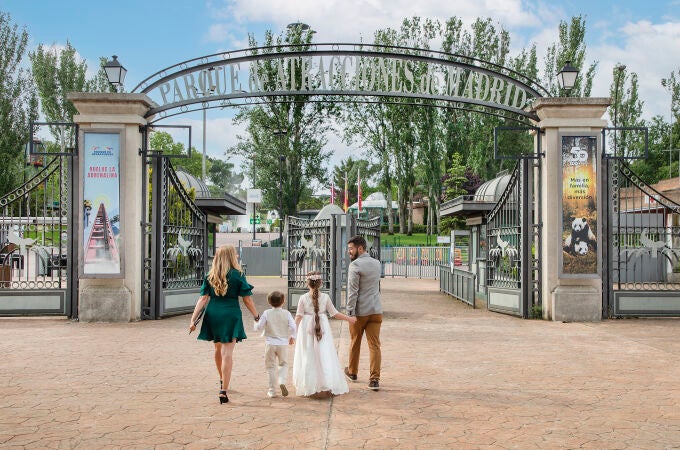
(436, 213)
(390, 213)
(430, 215)
(410, 211)
(402, 219)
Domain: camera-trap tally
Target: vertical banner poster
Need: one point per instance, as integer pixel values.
(101, 204)
(579, 205)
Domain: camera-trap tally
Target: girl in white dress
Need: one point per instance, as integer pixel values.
(317, 367)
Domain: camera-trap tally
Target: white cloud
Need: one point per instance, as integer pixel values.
(218, 32)
(648, 49)
(354, 20)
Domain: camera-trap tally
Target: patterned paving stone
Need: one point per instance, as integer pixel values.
(453, 377)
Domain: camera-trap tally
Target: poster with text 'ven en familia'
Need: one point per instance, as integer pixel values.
(579, 205)
(101, 204)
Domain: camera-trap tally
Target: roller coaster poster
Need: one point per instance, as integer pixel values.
(101, 204)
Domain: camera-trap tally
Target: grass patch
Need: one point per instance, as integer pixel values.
(403, 240)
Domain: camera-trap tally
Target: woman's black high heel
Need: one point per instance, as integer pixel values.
(223, 397)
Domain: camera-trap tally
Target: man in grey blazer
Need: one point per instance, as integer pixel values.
(363, 301)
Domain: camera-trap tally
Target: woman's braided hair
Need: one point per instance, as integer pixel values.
(314, 282)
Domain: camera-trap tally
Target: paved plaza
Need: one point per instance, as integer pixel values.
(453, 377)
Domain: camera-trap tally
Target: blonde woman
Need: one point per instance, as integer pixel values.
(222, 321)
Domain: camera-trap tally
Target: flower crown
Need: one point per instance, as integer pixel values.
(314, 277)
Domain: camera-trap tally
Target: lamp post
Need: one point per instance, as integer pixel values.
(670, 133)
(619, 71)
(566, 77)
(282, 159)
(210, 90)
(115, 72)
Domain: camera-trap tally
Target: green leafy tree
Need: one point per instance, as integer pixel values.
(350, 168)
(57, 72)
(626, 111)
(163, 141)
(292, 127)
(455, 182)
(223, 177)
(672, 85)
(570, 47)
(18, 102)
(469, 133)
(660, 163)
(664, 139)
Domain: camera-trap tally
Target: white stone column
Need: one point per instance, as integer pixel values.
(106, 298)
(567, 298)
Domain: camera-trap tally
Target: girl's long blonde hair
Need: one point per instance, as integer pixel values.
(225, 259)
(314, 283)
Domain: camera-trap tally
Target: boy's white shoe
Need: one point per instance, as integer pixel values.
(271, 393)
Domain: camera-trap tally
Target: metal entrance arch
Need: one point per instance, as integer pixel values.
(333, 71)
(38, 273)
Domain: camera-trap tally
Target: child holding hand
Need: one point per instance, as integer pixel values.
(279, 331)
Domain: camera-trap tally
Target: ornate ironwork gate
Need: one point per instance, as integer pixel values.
(174, 241)
(318, 245)
(513, 234)
(312, 246)
(641, 260)
(38, 237)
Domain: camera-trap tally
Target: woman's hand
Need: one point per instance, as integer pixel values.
(192, 327)
(352, 320)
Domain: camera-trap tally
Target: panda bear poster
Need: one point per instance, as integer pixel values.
(579, 205)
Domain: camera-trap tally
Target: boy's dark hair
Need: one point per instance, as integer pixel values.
(358, 241)
(275, 298)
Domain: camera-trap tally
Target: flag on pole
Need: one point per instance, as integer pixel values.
(359, 189)
(332, 193)
(346, 205)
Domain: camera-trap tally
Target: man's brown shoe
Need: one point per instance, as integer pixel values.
(373, 384)
(350, 377)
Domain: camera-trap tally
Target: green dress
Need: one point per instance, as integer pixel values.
(222, 321)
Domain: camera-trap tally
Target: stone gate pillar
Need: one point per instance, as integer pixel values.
(572, 174)
(110, 291)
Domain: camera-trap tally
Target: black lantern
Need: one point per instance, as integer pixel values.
(115, 72)
(566, 78)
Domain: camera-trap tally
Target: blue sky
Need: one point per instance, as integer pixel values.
(153, 34)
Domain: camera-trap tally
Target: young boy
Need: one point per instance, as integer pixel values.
(279, 332)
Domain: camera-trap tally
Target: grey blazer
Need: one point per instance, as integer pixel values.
(363, 286)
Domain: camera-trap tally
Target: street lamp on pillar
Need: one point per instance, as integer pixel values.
(566, 77)
(115, 73)
(208, 81)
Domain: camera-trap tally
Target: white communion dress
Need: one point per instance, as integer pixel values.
(316, 367)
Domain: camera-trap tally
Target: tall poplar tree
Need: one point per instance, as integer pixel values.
(570, 47)
(292, 127)
(18, 102)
